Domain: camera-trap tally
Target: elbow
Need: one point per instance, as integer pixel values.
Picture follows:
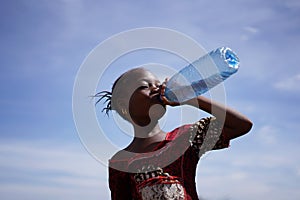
(245, 127)
(241, 128)
(238, 128)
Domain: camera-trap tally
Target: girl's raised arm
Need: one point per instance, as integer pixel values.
(235, 124)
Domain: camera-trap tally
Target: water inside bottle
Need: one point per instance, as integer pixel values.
(231, 58)
(202, 75)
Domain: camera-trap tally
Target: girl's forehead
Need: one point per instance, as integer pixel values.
(132, 80)
(141, 74)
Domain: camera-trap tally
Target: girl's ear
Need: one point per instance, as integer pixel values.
(121, 104)
(123, 108)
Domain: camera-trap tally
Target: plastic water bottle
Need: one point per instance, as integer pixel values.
(202, 75)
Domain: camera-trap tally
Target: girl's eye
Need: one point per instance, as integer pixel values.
(143, 87)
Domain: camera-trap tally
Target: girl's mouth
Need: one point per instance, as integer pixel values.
(156, 99)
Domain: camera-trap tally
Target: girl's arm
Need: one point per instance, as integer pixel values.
(119, 184)
(235, 124)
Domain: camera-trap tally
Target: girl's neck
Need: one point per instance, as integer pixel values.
(146, 138)
(149, 131)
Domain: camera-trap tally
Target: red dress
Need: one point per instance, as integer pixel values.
(168, 172)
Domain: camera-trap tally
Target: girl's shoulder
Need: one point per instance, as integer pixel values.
(177, 132)
(120, 156)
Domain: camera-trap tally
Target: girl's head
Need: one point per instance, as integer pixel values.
(135, 95)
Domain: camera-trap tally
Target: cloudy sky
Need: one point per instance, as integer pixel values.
(44, 43)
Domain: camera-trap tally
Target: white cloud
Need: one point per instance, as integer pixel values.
(289, 84)
(292, 4)
(298, 171)
(261, 164)
(235, 185)
(251, 29)
(267, 134)
(17, 191)
(46, 170)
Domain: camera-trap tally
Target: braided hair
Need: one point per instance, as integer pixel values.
(107, 95)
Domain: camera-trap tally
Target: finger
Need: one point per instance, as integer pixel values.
(163, 97)
(166, 80)
(163, 87)
(167, 102)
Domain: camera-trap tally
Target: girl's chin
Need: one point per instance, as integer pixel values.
(156, 112)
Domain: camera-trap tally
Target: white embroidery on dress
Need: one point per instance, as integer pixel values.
(156, 184)
(205, 135)
(173, 191)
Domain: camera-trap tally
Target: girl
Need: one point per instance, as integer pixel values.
(159, 165)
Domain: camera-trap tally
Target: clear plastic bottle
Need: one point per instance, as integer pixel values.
(202, 75)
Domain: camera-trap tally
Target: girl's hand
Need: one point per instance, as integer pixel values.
(163, 97)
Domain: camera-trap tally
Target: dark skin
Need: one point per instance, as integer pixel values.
(145, 108)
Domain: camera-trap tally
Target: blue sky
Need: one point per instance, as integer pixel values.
(43, 44)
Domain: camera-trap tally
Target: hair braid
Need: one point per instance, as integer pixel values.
(108, 96)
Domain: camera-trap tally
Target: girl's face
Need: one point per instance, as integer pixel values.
(143, 89)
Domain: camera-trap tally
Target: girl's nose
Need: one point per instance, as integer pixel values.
(154, 88)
